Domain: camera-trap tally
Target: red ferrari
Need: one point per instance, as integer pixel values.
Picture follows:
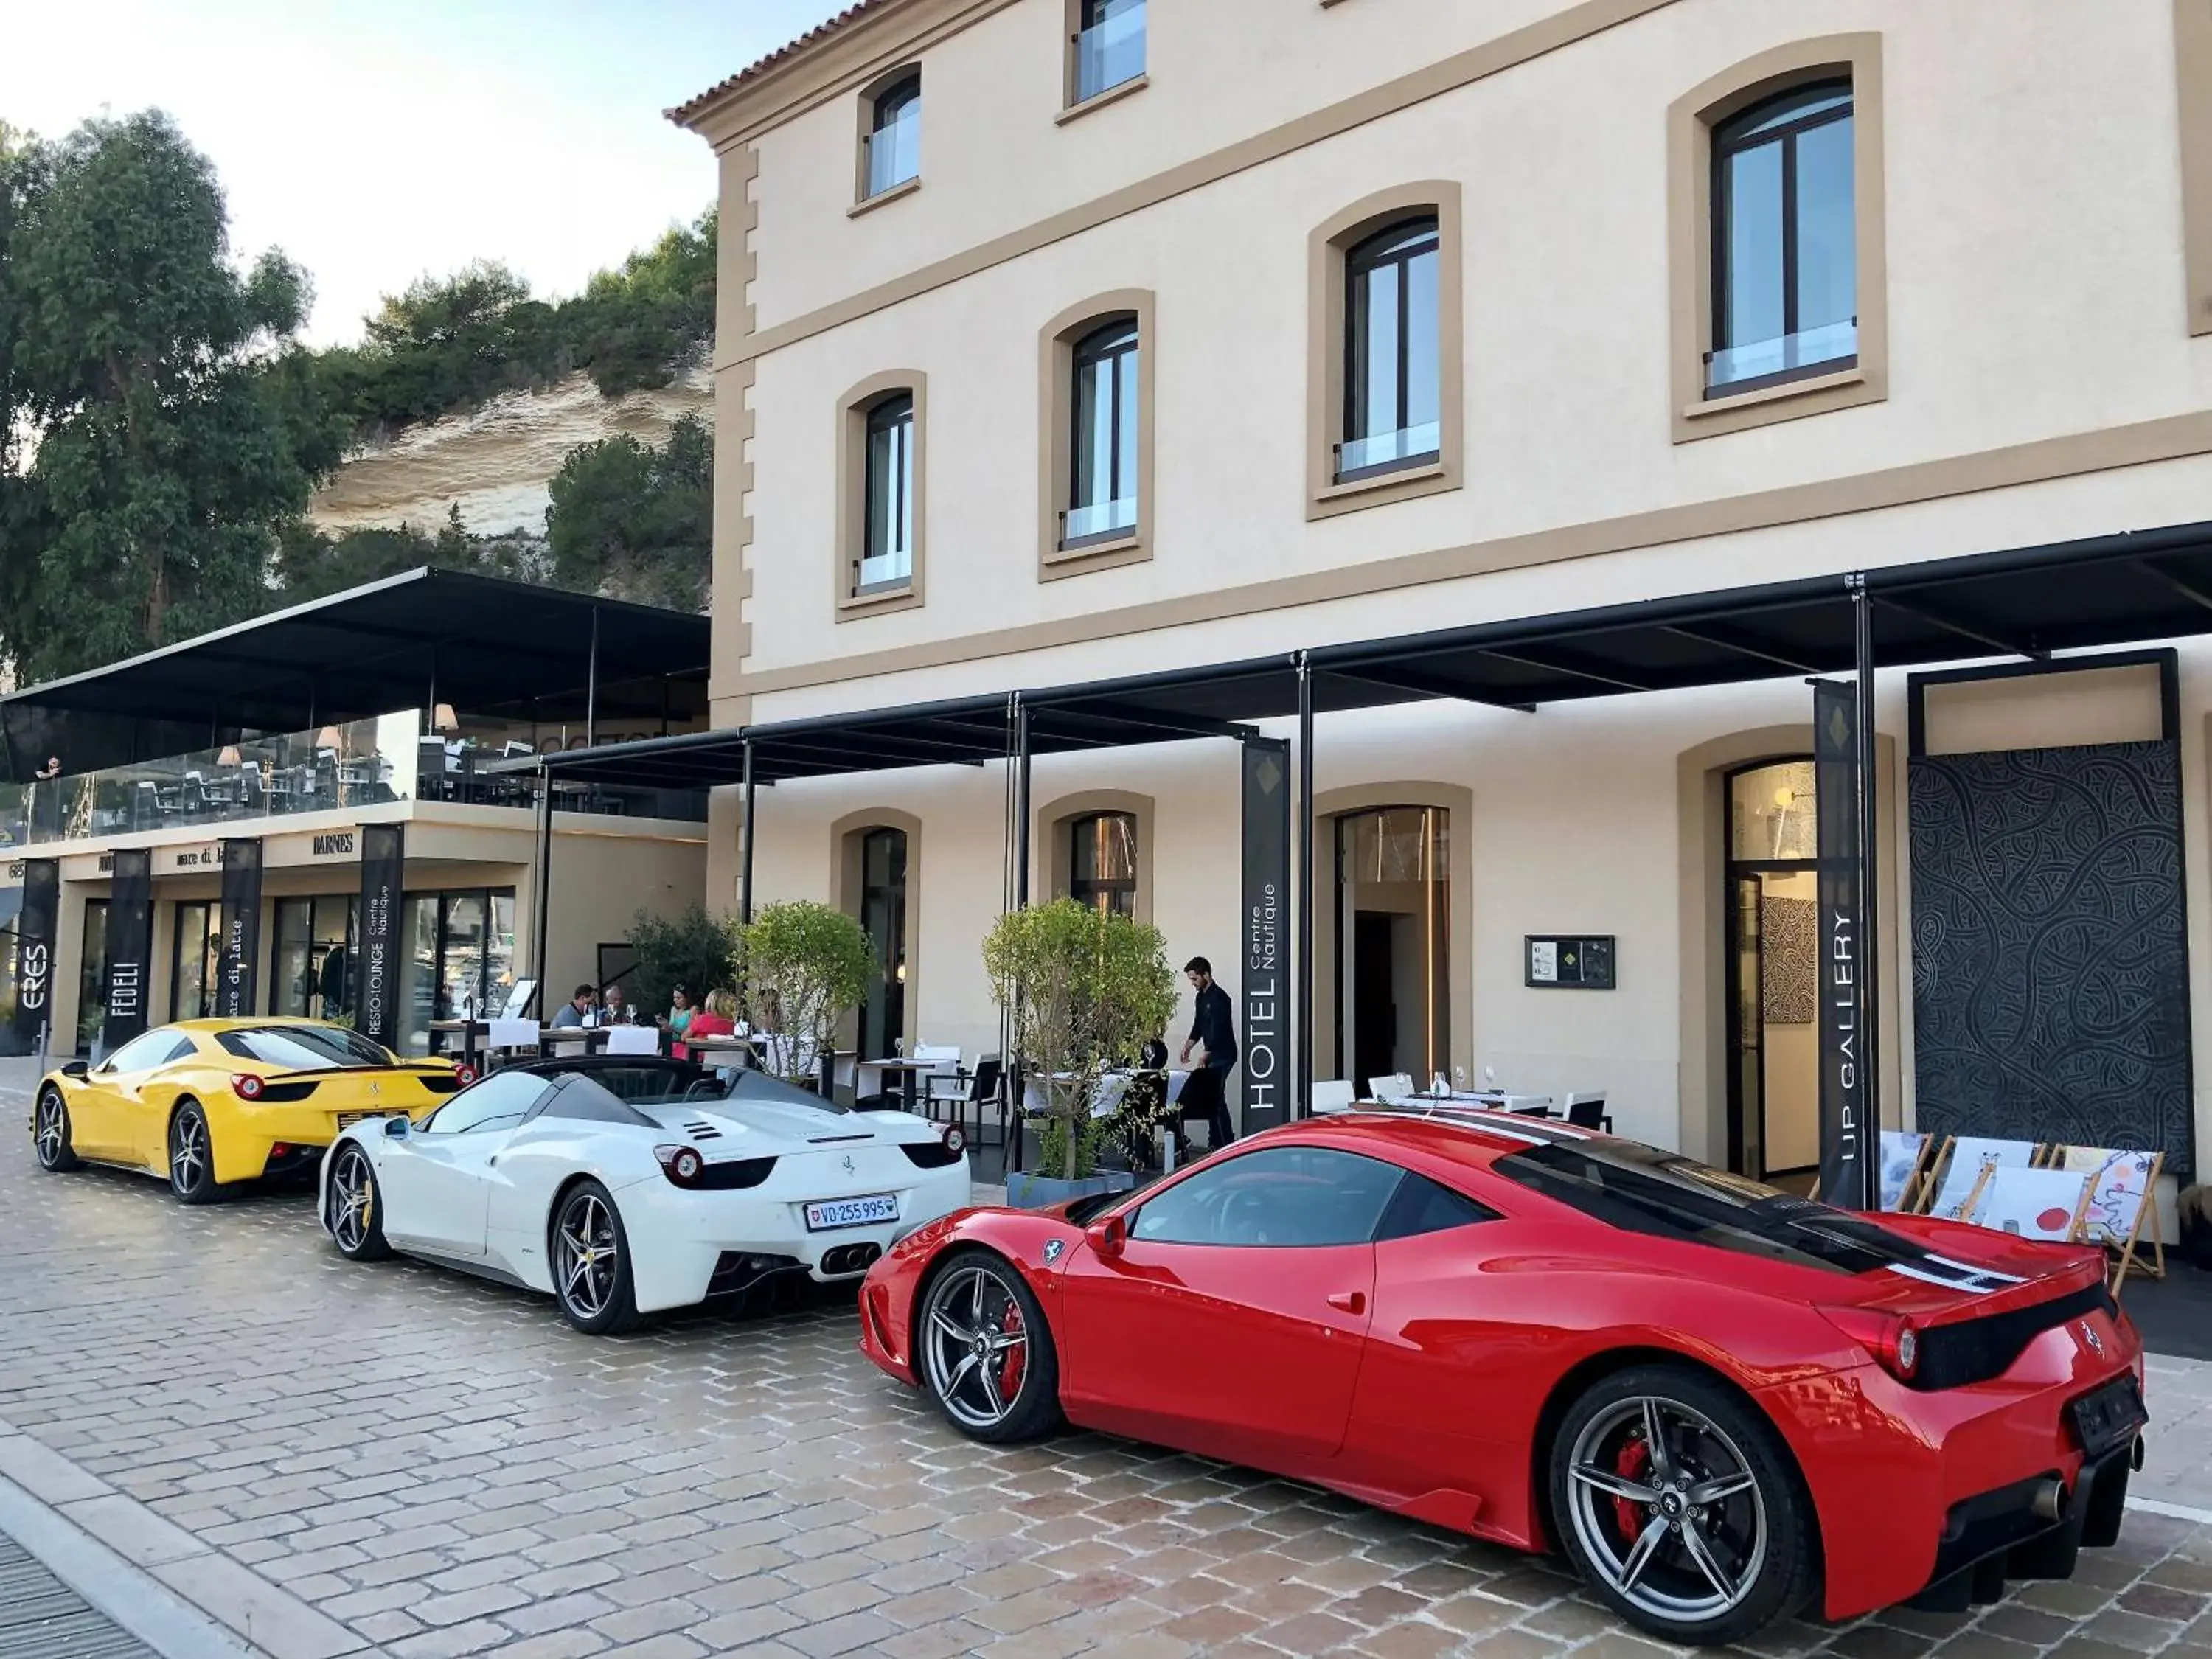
(1722, 1402)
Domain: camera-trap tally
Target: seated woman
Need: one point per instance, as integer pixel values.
(678, 1019)
(717, 1017)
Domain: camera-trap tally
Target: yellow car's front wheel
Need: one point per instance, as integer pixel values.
(50, 1131)
(192, 1156)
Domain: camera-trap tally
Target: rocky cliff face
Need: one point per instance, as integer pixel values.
(496, 462)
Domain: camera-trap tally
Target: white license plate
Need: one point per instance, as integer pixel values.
(832, 1214)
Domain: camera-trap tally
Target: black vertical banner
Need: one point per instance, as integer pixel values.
(129, 947)
(376, 982)
(1265, 1066)
(240, 960)
(1843, 1082)
(32, 970)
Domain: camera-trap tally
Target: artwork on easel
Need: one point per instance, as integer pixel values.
(1964, 1172)
(2122, 1193)
(1901, 1152)
(2045, 1203)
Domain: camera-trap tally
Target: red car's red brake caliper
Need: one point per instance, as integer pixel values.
(1016, 1363)
(1635, 1458)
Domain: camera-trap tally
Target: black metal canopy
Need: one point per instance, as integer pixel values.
(486, 646)
(2028, 602)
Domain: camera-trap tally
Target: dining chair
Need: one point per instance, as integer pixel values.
(1588, 1112)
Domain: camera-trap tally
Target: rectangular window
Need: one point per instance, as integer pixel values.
(1785, 240)
(1109, 46)
(887, 549)
(1392, 416)
(1102, 499)
(894, 139)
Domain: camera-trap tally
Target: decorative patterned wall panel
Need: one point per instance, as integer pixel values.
(2050, 960)
(1789, 940)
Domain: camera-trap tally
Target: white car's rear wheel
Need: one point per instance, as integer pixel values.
(591, 1263)
(356, 1214)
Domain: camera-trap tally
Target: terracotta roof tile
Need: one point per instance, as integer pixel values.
(683, 111)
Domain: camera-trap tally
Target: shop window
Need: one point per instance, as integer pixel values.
(459, 954)
(195, 963)
(92, 977)
(313, 965)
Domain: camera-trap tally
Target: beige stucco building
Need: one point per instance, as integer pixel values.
(1063, 340)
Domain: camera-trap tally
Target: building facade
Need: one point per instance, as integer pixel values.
(1066, 339)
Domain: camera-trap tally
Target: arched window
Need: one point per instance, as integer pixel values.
(1108, 46)
(887, 543)
(1103, 472)
(1393, 363)
(1785, 240)
(1103, 869)
(894, 139)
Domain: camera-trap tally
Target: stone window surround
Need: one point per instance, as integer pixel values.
(853, 410)
(1056, 343)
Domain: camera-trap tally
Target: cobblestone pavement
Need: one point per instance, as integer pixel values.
(334, 1459)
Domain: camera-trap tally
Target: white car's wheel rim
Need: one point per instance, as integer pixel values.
(353, 1200)
(975, 1347)
(188, 1153)
(53, 1127)
(1667, 1508)
(586, 1258)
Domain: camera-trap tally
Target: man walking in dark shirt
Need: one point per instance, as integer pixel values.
(1215, 1031)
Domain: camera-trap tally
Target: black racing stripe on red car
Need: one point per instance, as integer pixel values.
(1970, 1351)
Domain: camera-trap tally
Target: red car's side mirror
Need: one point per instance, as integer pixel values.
(1108, 1236)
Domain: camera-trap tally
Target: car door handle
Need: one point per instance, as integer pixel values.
(1350, 1302)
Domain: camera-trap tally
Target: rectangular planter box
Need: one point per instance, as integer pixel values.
(1036, 1191)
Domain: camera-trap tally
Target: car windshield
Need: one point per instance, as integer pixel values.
(303, 1048)
(1641, 1189)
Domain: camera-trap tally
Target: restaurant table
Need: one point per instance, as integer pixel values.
(721, 1044)
(468, 1031)
(907, 1070)
(1489, 1100)
(594, 1038)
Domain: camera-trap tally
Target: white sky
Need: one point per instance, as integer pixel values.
(375, 140)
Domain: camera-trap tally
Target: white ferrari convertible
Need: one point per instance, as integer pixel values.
(624, 1187)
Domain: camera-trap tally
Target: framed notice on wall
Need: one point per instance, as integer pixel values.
(1557, 961)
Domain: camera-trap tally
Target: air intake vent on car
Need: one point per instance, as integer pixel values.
(702, 1132)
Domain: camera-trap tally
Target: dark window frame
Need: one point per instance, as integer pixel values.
(1395, 245)
(1088, 889)
(891, 410)
(1742, 133)
(1102, 350)
(886, 110)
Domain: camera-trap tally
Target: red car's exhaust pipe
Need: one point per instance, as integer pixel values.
(2049, 1502)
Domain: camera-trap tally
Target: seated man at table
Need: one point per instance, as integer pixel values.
(576, 1010)
(611, 1006)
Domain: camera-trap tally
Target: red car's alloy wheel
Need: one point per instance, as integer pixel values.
(1666, 1509)
(975, 1346)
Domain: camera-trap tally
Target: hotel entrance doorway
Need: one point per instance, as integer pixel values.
(1394, 944)
(1772, 928)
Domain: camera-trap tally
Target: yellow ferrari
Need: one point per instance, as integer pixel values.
(209, 1102)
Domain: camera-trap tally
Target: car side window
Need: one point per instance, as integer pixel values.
(1422, 1205)
(499, 1102)
(1282, 1196)
(143, 1053)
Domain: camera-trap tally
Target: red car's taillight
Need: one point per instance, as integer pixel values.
(681, 1164)
(1893, 1341)
(246, 1085)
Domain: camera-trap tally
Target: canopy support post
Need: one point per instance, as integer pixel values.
(745, 845)
(1301, 1070)
(1869, 1127)
(592, 688)
(544, 877)
(1021, 803)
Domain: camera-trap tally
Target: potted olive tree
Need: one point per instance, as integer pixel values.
(695, 949)
(1081, 990)
(806, 965)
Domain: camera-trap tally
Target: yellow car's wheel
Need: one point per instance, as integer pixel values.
(50, 1131)
(192, 1156)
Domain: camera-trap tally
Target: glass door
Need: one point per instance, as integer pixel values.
(92, 977)
(1394, 945)
(1771, 927)
(194, 960)
(883, 917)
(1747, 1051)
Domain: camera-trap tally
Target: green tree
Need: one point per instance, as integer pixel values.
(159, 457)
(1083, 989)
(806, 966)
(636, 522)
